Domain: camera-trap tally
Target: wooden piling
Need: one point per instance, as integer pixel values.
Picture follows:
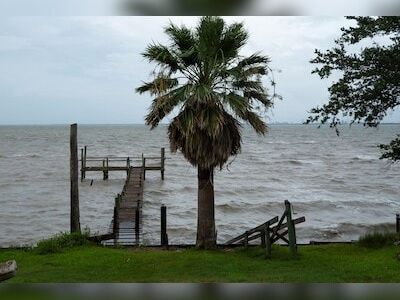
(162, 162)
(74, 177)
(291, 229)
(164, 236)
(398, 223)
(84, 161)
(144, 167)
(128, 165)
(105, 169)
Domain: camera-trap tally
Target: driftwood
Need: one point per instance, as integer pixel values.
(8, 270)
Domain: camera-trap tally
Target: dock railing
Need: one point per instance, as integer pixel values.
(109, 163)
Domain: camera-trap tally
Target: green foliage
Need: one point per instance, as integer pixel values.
(392, 151)
(379, 239)
(201, 76)
(62, 242)
(370, 83)
(322, 263)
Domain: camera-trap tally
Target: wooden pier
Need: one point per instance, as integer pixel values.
(106, 164)
(127, 219)
(125, 228)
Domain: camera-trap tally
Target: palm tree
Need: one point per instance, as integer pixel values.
(202, 78)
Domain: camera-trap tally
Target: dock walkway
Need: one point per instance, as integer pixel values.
(125, 227)
(127, 220)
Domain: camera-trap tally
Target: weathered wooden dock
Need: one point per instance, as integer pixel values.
(127, 219)
(126, 224)
(106, 164)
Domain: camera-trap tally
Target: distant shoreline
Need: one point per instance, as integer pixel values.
(142, 124)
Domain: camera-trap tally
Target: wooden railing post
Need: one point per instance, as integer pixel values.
(268, 248)
(105, 169)
(84, 161)
(144, 168)
(74, 178)
(164, 236)
(137, 225)
(82, 166)
(262, 236)
(162, 162)
(291, 229)
(398, 223)
(116, 219)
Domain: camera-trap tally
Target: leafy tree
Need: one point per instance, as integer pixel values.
(201, 76)
(369, 86)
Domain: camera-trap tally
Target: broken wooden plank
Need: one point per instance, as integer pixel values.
(273, 236)
(252, 231)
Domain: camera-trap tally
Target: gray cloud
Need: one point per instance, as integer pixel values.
(85, 69)
(198, 7)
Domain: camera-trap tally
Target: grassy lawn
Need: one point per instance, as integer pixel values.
(325, 263)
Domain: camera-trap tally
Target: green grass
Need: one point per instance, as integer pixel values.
(323, 263)
(379, 239)
(62, 242)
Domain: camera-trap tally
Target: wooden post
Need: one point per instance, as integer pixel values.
(74, 176)
(246, 239)
(398, 223)
(82, 164)
(164, 236)
(162, 162)
(116, 220)
(291, 229)
(144, 168)
(262, 236)
(84, 161)
(128, 165)
(268, 248)
(105, 169)
(137, 224)
(104, 166)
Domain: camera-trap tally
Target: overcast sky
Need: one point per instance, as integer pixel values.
(57, 70)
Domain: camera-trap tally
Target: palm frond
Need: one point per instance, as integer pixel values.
(181, 37)
(158, 86)
(234, 38)
(256, 122)
(237, 103)
(255, 85)
(162, 55)
(165, 104)
(253, 59)
(259, 96)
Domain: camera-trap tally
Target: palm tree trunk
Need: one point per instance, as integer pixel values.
(206, 237)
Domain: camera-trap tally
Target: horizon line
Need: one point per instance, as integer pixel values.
(143, 124)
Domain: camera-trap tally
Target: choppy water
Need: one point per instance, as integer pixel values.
(338, 183)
